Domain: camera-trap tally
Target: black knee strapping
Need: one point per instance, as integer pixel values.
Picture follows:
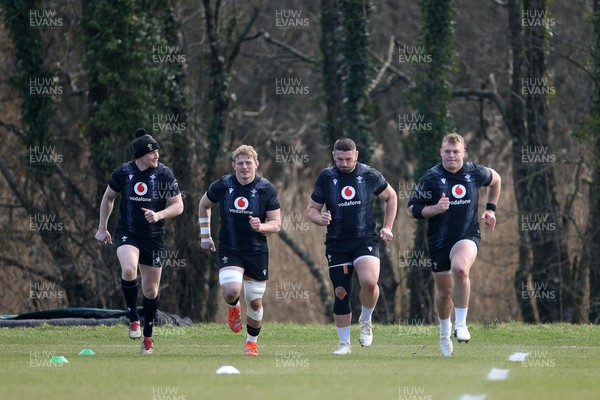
(341, 277)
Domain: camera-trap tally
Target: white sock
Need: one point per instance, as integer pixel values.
(344, 334)
(445, 326)
(460, 315)
(251, 338)
(366, 313)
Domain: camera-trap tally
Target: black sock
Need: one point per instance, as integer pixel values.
(233, 303)
(130, 291)
(252, 331)
(150, 307)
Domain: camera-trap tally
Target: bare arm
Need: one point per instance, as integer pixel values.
(315, 214)
(174, 208)
(493, 195)
(431, 211)
(494, 188)
(204, 213)
(106, 207)
(271, 225)
(390, 198)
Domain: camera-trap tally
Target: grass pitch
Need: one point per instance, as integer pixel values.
(295, 362)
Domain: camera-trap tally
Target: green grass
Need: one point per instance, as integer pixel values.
(296, 363)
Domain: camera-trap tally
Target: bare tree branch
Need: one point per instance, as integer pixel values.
(243, 37)
(486, 94)
(13, 129)
(290, 49)
(31, 209)
(263, 105)
(582, 67)
(392, 68)
(384, 67)
(75, 190)
(26, 268)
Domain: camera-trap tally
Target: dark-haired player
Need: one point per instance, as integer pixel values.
(249, 209)
(149, 195)
(347, 190)
(447, 195)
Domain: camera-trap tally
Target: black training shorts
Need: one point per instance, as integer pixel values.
(255, 266)
(440, 259)
(346, 251)
(150, 248)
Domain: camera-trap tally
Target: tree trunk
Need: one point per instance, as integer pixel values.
(591, 250)
(550, 286)
(432, 95)
(332, 71)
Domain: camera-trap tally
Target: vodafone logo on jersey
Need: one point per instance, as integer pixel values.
(140, 188)
(241, 203)
(348, 192)
(459, 191)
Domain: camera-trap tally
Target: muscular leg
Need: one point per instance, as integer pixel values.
(231, 289)
(341, 278)
(462, 257)
(253, 294)
(443, 294)
(150, 285)
(128, 258)
(367, 270)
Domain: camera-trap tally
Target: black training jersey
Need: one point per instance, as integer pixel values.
(148, 189)
(237, 203)
(349, 198)
(461, 188)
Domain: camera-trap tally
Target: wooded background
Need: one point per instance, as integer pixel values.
(519, 79)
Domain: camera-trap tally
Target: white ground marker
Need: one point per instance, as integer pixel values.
(497, 374)
(467, 396)
(518, 357)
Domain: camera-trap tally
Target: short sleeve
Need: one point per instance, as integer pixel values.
(379, 182)
(421, 194)
(115, 183)
(272, 202)
(318, 194)
(171, 184)
(213, 191)
(485, 175)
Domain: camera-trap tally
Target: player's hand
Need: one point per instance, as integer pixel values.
(208, 245)
(490, 219)
(325, 218)
(443, 204)
(103, 235)
(254, 223)
(386, 234)
(151, 216)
